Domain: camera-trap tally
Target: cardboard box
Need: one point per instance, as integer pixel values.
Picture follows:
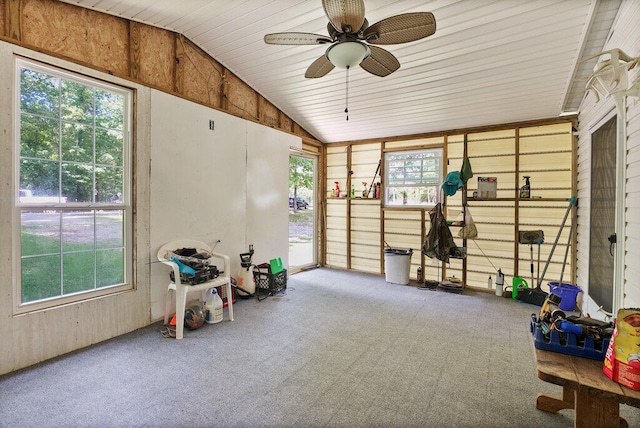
(487, 187)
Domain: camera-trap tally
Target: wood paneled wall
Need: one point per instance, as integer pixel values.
(143, 54)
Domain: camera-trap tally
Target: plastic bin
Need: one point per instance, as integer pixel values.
(267, 283)
(518, 285)
(568, 293)
(568, 343)
(397, 265)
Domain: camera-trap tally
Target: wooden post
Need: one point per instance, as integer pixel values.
(134, 50)
(178, 79)
(13, 11)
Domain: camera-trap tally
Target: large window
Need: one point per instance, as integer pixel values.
(73, 193)
(413, 177)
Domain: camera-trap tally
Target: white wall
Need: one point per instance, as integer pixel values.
(230, 184)
(625, 36)
(267, 193)
(33, 337)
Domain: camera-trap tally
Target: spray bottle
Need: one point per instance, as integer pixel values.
(525, 191)
(245, 280)
(337, 189)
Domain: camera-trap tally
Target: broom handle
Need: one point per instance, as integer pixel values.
(538, 271)
(564, 220)
(566, 251)
(374, 177)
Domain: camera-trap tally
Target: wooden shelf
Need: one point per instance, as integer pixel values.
(352, 199)
(518, 199)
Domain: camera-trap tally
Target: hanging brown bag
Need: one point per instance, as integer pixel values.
(469, 230)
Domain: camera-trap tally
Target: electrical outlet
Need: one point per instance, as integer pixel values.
(211, 125)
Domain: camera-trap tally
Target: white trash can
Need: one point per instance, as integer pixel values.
(397, 264)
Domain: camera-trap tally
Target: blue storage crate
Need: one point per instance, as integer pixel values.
(588, 349)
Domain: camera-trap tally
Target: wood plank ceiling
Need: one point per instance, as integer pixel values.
(489, 62)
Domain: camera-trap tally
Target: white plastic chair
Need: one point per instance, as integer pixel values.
(181, 290)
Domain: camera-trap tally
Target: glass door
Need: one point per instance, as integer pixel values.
(603, 206)
(302, 211)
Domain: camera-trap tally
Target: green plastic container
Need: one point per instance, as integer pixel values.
(518, 284)
(276, 265)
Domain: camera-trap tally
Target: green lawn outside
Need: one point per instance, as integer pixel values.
(44, 276)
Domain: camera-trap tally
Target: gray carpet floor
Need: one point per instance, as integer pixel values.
(339, 349)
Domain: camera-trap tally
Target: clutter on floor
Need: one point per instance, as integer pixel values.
(569, 332)
(451, 285)
(194, 268)
(270, 279)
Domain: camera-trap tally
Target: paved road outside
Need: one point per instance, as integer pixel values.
(301, 237)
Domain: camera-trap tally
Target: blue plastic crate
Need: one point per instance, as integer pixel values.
(588, 349)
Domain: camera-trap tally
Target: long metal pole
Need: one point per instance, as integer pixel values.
(564, 220)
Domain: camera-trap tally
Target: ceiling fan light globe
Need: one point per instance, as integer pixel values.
(347, 54)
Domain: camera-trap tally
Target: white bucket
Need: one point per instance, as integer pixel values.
(397, 266)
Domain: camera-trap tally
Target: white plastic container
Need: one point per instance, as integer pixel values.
(213, 306)
(499, 283)
(397, 265)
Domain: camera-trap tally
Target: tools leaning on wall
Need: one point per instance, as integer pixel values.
(536, 295)
(530, 238)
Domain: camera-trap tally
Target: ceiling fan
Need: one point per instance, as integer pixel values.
(352, 40)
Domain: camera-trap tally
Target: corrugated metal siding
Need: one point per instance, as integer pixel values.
(365, 234)
(630, 43)
(545, 154)
(632, 214)
(354, 225)
(626, 36)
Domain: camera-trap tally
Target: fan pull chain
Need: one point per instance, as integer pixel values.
(346, 110)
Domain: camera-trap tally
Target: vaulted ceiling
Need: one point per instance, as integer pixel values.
(489, 61)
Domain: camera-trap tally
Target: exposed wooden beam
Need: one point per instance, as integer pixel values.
(13, 16)
(178, 80)
(134, 50)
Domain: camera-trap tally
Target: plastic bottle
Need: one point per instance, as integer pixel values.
(525, 191)
(213, 307)
(489, 283)
(353, 191)
(499, 283)
(419, 274)
(246, 281)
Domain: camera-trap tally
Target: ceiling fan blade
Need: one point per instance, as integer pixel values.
(319, 68)
(296, 39)
(345, 15)
(402, 28)
(381, 62)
